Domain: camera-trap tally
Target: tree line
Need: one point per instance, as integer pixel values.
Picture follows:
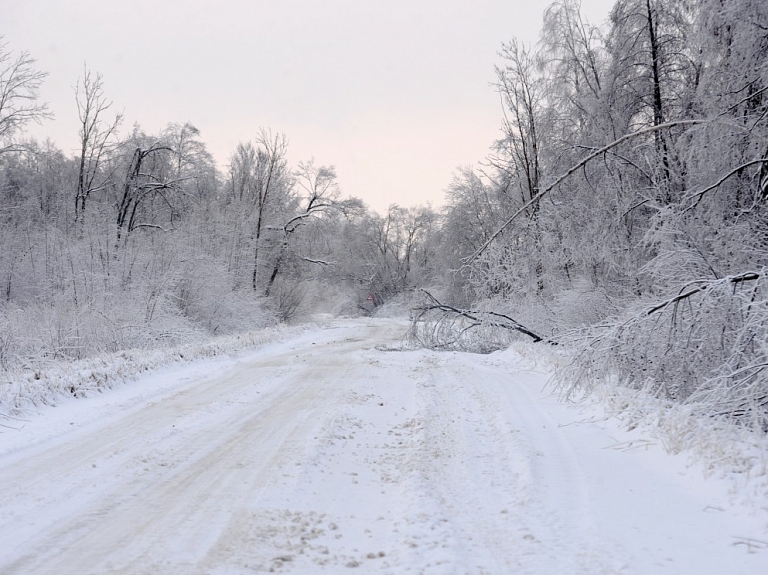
(621, 212)
(623, 209)
(138, 239)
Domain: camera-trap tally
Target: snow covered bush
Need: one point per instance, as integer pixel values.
(706, 347)
(24, 389)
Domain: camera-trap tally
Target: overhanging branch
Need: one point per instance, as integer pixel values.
(746, 276)
(535, 199)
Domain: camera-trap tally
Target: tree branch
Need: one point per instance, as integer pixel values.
(573, 169)
(700, 194)
(498, 319)
(706, 284)
(319, 262)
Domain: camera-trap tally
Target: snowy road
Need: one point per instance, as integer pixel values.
(326, 453)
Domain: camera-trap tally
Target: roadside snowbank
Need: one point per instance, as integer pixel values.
(21, 391)
(715, 445)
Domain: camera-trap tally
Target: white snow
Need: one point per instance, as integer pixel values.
(327, 451)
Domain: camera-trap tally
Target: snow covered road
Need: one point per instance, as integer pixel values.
(328, 452)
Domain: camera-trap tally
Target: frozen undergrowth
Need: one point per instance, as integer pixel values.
(22, 390)
(719, 447)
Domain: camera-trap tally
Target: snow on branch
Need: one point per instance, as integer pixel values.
(697, 196)
(706, 347)
(704, 285)
(576, 167)
(437, 325)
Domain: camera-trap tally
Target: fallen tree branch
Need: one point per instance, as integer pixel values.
(318, 262)
(492, 318)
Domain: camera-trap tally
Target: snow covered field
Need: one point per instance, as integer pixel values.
(329, 451)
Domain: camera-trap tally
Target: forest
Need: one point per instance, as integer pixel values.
(621, 216)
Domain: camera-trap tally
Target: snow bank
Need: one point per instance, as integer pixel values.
(21, 390)
(716, 445)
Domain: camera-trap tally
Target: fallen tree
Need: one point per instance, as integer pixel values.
(436, 325)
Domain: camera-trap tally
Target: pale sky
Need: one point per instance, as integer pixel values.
(395, 94)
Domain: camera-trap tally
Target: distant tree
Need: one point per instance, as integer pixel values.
(257, 200)
(271, 179)
(19, 91)
(193, 165)
(97, 138)
(521, 89)
(388, 254)
(146, 194)
(316, 194)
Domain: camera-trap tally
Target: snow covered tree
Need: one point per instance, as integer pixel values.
(97, 138)
(19, 90)
(645, 185)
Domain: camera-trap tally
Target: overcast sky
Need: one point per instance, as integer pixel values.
(396, 94)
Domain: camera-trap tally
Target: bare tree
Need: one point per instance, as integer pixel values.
(96, 137)
(654, 63)
(192, 162)
(386, 255)
(575, 63)
(242, 175)
(320, 195)
(521, 90)
(145, 180)
(19, 91)
(271, 175)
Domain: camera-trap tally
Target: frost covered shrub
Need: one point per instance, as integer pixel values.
(584, 304)
(148, 294)
(201, 292)
(22, 390)
(706, 347)
(287, 297)
(508, 279)
(397, 306)
(6, 337)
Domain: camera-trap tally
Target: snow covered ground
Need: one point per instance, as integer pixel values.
(330, 451)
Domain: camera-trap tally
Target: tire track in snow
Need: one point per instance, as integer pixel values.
(324, 454)
(491, 491)
(173, 469)
(553, 502)
(210, 472)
